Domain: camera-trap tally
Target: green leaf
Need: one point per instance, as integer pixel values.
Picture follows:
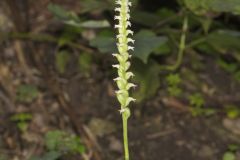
(151, 19)
(69, 34)
(237, 76)
(221, 41)
(4, 157)
(198, 7)
(26, 93)
(233, 147)
(73, 145)
(84, 62)
(196, 100)
(21, 120)
(63, 142)
(174, 91)
(99, 6)
(232, 6)
(89, 24)
(209, 111)
(204, 6)
(72, 19)
(146, 77)
(232, 111)
(96, 5)
(105, 44)
(146, 42)
(22, 126)
(21, 117)
(52, 155)
(229, 67)
(145, 18)
(173, 79)
(61, 13)
(229, 156)
(224, 40)
(53, 139)
(62, 59)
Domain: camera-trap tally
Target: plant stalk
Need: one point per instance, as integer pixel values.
(181, 48)
(125, 136)
(123, 43)
(182, 45)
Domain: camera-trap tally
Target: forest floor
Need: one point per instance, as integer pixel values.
(160, 128)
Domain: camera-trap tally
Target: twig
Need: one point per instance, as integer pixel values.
(47, 38)
(7, 101)
(92, 137)
(21, 58)
(160, 134)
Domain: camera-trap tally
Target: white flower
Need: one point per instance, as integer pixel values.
(129, 32)
(130, 40)
(130, 48)
(118, 9)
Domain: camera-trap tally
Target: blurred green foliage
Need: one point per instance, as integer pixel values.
(173, 82)
(3, 157)
(62, 59)
(230, 154)
(204, 6)
(85, 62)
(157, 38)
(232, 111)
(196, 100)
(60, 143)
(22, 119)
(197, 103)
(26, 93)
(146, 79)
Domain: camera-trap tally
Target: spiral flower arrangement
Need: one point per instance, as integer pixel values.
(123, 41)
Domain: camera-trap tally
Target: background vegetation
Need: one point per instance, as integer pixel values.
(57, 97)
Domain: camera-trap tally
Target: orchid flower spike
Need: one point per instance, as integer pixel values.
(123, 40)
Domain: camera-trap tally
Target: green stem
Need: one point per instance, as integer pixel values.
(182, 46)
(125, 136)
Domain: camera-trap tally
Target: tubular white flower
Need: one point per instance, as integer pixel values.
(129, 32)
(118, 26)
(129, 24)
(116, 66)
(129, 75)
(130, 40)
(117, 9)
(117, 17)
(119, 36)
(130, 48)
(130, 85)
